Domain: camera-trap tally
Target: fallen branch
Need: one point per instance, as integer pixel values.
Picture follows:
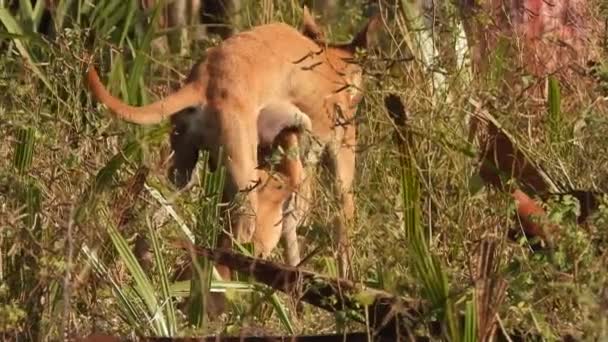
(388, 315)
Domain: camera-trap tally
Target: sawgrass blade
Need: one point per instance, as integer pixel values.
(24, 149)
(130, 309)
(143, 286)
(167, 300)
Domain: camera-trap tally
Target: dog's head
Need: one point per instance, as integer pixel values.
(342, 58)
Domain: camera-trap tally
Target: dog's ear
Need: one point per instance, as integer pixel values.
(310, 28)
(363, 38)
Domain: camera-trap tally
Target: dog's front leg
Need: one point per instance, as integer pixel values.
(238, 139)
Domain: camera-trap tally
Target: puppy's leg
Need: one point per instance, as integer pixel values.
(295, 206)
(271, 196)
(343, 158)
(295, 210)
(276, 193)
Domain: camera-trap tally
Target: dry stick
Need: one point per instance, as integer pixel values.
(490, 289)
(389, 316)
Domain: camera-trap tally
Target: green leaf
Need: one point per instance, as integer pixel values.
(282, 312)
(470, 323)
(426, 265)
(554, 99)
(24, 149)
(555, 115)
(207, 226)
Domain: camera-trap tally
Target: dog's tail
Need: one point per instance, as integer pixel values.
(192, 94)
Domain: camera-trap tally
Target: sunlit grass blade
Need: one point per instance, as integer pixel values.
(131, 311)
(167, 300)
(180, 222)
(182, 288)
(282, 313)
(37, 12)
(169, 209)
(143, 285)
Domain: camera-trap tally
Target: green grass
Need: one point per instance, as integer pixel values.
(71, 209)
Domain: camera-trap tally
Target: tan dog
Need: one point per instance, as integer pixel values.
(259, 88)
